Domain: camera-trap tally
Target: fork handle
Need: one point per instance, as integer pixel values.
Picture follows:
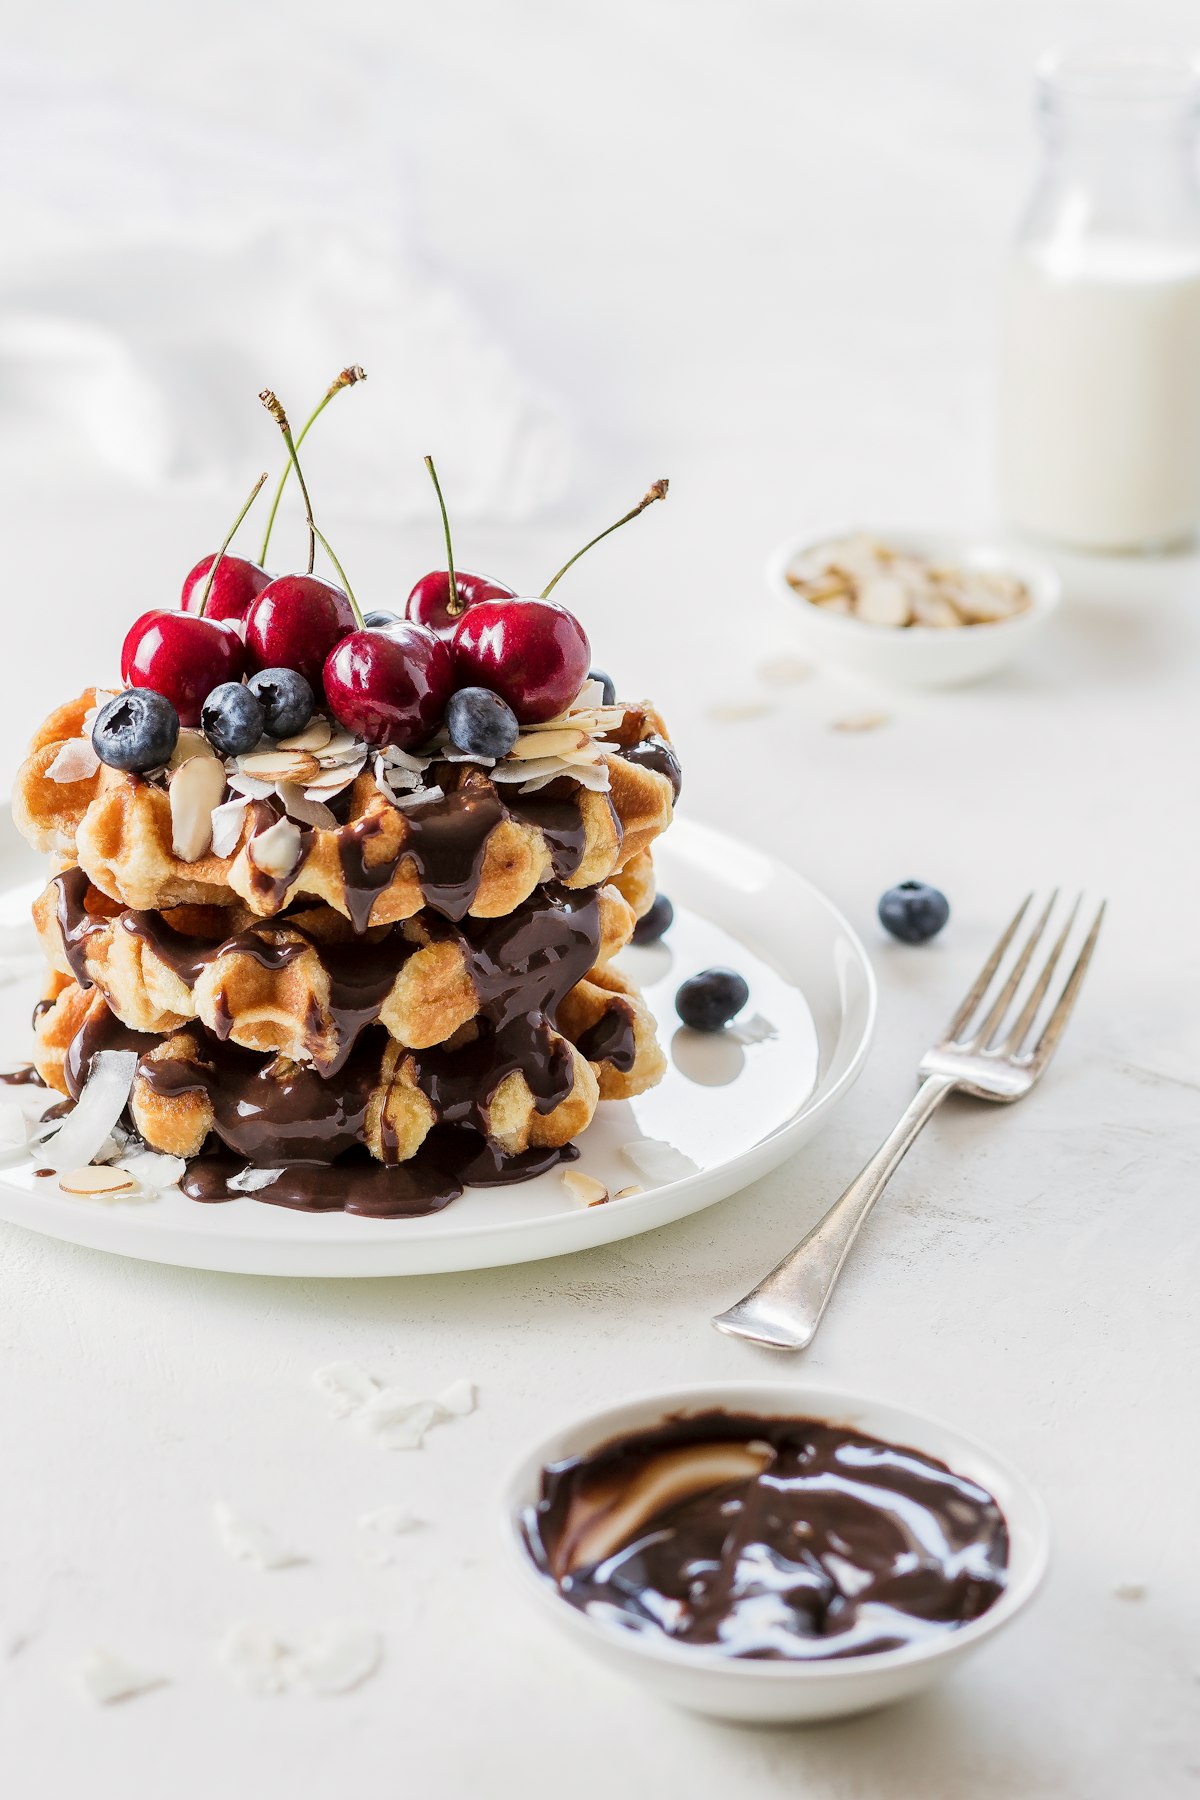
(786, 1307)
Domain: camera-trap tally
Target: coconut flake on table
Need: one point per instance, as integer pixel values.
(104, 1098)
(103, 1676)
(657, 1160)
(345, 1386)
(76, 761)
(330, 1659)
(392, 1521)
(14, 1131)
(457, 1400)
(248, 1540)
(395, 1420)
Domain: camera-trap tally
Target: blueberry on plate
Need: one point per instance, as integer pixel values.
(913, 911)
(481, 724)
(286, 699)
(379, 621)
(709, 1000)
(136, 730)
(652, 925)
(607, 683)
(233, 719)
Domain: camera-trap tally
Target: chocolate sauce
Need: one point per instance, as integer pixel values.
(555, 811)
(23, 1077)
(446, 840)
(102, 1030)
(187, 957)
(445, 1164)
(655, 753)
(610, 1039)
(786, 1538)
(75, 923)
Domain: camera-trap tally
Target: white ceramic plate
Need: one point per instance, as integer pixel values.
(731, 1109)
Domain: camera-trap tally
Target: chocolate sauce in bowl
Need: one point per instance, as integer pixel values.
(769, 1538)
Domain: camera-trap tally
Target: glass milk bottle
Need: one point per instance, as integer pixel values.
(1099, 401)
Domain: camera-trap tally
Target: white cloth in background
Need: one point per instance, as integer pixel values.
(160, 269)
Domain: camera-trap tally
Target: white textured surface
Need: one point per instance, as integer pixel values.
(754, 247)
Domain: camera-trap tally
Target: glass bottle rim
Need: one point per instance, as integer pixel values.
(1121, 80)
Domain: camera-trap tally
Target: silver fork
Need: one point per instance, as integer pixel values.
(985, 1053)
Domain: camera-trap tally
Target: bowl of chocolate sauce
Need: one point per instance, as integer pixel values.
(773, 1551)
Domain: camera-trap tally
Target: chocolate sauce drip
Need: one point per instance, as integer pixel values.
(655, 753)
(75, 923)
(187, 957)
(555, 811)
(445, 1164)
(841, 1545)
(23, 1077)
(446, 841)
(611, 1039)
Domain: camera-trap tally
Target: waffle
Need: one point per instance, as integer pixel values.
(481, 850)
(523, 1087)
(304, 986)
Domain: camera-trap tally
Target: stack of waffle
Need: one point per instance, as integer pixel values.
(351, 978)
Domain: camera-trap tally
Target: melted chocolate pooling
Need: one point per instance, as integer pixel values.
(827, 1542)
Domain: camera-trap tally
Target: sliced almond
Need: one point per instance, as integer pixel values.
(227, 822)
(860, 722)
(331, 781)
(341, 745)
(309, 812)
(298, 766)
(882, 600)
(315, 736)
(276, 851)
(628, 1193)
(197, 786)
(584, 1187)
(189, 743)
(91, 1181)
(547, 743)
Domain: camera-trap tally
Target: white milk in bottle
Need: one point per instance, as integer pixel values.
(1099, 400)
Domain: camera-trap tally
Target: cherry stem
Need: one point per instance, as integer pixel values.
(656, 492)
(281, 419)
(347, 378)
(218, 558)
(454, 605)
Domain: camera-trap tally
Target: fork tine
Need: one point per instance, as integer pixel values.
(983, 980)
(983, 1036)
(1046, 1045)
(1028, 1014)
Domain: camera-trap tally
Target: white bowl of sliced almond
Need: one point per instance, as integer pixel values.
(912, 609)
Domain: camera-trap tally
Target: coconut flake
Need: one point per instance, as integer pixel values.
(104, 1098)
(309, 812)
(227, 822)
(337, 1657)
(659, 1161)
(247, 785)
(246, 1540)
(403, 801)
(14, 1131)
(345, 1386)
(392, 1521)
(154, 1171)
(76, 761)
(457, 1400)
(342, 747)
(252, 1655)
(395, 1420)
(103, 1676)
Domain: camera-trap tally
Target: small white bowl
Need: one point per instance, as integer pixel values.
(778, 1692)
(917, 656)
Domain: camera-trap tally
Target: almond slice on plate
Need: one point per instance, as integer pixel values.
(584, 1187)
(547, 743)
(197, 786)
(93, 1181)
(298, 766)
(315, 736)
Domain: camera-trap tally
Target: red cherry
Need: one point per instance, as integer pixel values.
(533, 653)
(428, 602)
(236, 586)
(390, 687)
(294, 624)
(181, 656)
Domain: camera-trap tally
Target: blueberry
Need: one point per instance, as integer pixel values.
(913, 911)
(379, 621)
(607, 683)
(233, 719)
(136, 730)
(651, 926)
(709, 1000)
(480, 724)
(286, 699)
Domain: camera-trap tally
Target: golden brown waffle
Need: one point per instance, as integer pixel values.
(401, 1094)
(481, 850)
(606, 1018)
(304, 986)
